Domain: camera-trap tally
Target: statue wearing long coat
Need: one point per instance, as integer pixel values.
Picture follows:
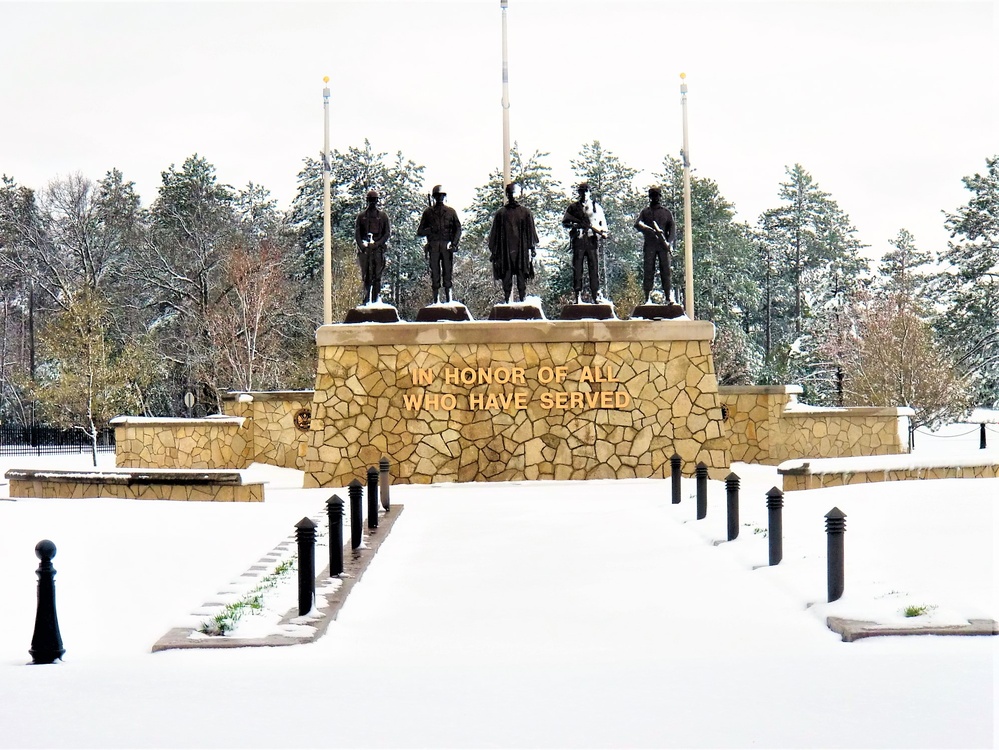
(512, 241)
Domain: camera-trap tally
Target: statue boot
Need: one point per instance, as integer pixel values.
(447, 295)
(436, 296)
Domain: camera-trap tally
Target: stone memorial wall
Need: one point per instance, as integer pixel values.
(278, 421)
(488, 401)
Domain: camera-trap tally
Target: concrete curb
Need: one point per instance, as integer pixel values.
(853, 630)
(329, 600)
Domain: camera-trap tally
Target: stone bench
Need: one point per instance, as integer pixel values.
(813, 473)
(143, 484)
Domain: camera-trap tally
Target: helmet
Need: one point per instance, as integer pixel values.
(438, 190)
(372, 195)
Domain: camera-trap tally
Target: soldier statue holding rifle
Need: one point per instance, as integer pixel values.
(371, 233)
(656, 223)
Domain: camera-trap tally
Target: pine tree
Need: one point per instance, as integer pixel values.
(899, 270)
(970, 290)
(810, 269)
(182, 267)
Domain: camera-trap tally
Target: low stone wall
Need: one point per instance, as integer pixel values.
(175, 443)
(768, 425)
(814, 474)
(215, 486)
(278, 423)
(498, 401)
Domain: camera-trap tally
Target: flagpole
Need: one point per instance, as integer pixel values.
(506, 104)
(688, 248)
(327, 241)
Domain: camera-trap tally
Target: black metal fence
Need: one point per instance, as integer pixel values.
(34, 440)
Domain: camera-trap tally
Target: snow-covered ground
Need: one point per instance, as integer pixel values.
(528, 614)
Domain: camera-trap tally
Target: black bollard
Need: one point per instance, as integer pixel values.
(354, 491)
(982, 442)
(334, 510)
(372, 497)
(775, 502)
(384, 481)
(305, 533)
(835, 530)
(46, 642)
(674, 468)
(701, 473)
(732, 500)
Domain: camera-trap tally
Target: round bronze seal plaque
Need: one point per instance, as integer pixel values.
(303, 419)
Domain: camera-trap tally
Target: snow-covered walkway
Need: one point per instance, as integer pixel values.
(542, 614)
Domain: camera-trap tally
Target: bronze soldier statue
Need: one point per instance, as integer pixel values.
(586, 224)
(513, 242)
(371, 233)
(656, 223)
(442, 229)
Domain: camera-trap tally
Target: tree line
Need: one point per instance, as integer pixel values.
(110, 307)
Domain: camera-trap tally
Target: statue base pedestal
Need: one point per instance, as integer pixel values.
(589, 311)
(516, 311)
(372, 314)
(658, 312)
(445, 311)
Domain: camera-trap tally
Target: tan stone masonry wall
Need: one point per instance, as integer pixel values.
(147, 484)
(253, 492)
(767, 425)
(808, 481)
(171, 443)
(659, 395)
(271, 421)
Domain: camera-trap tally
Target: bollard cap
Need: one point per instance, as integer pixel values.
(45, 550)
(732, 477)
(335, 501)
(835, 521)
(305, 523)
(372, 470)
(775, 498)
(383, 462)
(355, 482)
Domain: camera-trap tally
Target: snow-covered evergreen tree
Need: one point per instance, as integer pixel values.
(969, 288)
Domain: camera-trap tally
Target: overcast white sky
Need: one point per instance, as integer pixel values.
(887, 104)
